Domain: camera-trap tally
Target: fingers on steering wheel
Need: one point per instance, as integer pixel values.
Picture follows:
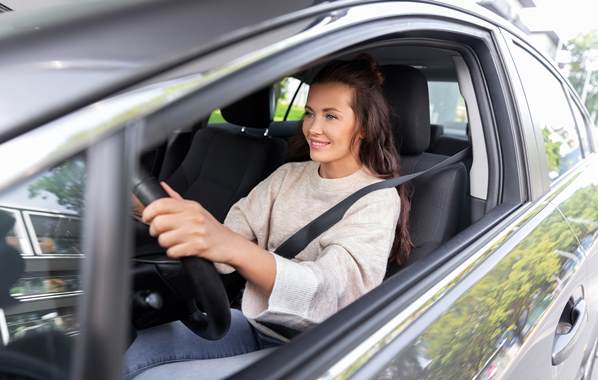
(170, 191)
(171, 238)
(161, 206)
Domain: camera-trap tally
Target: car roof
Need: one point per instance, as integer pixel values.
(74, 54)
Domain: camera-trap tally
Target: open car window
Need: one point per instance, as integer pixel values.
(291, 96)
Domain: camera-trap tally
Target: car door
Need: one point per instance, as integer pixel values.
(567, 159)
(513, 304)
(581, 210)
(521, 308)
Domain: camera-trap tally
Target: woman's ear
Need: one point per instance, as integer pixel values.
(362, 134)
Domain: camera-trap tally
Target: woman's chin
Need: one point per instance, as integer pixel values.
(317, 156)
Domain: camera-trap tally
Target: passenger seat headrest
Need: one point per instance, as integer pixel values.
(406, 90)
(253, 111)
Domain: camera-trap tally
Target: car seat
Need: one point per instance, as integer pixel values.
(438, 201)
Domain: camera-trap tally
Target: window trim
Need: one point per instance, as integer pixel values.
(578, 127)
(21, 231)
(542, 148)
(575, 103)
(33, 234)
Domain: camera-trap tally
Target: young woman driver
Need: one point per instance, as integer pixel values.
(347, 128)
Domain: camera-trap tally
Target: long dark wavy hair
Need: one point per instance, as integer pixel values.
(377, 150)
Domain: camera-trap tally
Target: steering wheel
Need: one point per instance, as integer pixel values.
(207, 307)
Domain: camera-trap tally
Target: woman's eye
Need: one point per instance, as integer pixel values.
(308, 114)
(330, 116)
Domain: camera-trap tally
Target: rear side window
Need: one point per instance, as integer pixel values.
(291, 96)
(447, 108)
(550, 112)
(216, 117)
(56, 234)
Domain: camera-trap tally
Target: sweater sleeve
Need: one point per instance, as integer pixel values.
(250, 216)
(353, 259)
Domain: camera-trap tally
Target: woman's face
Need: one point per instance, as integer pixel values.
(329, 125)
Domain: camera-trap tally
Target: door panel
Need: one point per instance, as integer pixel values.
(500, 320)
(580, 207)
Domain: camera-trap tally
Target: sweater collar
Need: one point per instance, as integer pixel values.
(348, 183)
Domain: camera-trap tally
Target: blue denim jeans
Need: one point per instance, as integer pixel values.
(173, 342)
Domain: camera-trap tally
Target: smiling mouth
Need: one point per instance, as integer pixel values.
(318, 144)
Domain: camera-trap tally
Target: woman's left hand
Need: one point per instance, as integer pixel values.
(185, 228)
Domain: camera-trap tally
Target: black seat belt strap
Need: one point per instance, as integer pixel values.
(298, 241)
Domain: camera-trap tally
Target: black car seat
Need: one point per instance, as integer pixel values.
(175, 151)
(437, 202)
(222, 166)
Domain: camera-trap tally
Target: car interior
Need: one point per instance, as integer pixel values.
(217, 163)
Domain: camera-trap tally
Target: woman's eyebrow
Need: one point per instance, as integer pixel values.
(325, 109)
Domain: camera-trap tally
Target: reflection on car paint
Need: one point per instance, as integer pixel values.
(61, 319)
(44, 284)
(492, 320)
(489, 323)
(484, 256)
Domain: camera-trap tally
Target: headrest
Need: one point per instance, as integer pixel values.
(253, 111)
(406, 90)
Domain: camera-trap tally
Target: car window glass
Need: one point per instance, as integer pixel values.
(550, 112)
(216, 117)
(447, 108)
(581, 127)
(285, 91)
(39, 264)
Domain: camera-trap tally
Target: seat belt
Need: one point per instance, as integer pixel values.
(301, 239)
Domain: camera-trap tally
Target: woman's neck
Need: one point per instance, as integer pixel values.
(332, 170)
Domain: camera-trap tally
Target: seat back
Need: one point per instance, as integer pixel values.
(222, 166)
(437, 202)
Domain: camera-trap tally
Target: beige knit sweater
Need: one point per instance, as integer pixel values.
(342, 264)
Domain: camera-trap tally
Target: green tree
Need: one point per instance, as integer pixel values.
(582, 48)
(66, 182)
(552, 151)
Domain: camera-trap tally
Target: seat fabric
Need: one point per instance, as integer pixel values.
(222, 166)
(437, 202)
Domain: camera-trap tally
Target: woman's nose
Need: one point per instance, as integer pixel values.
(315, 126)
